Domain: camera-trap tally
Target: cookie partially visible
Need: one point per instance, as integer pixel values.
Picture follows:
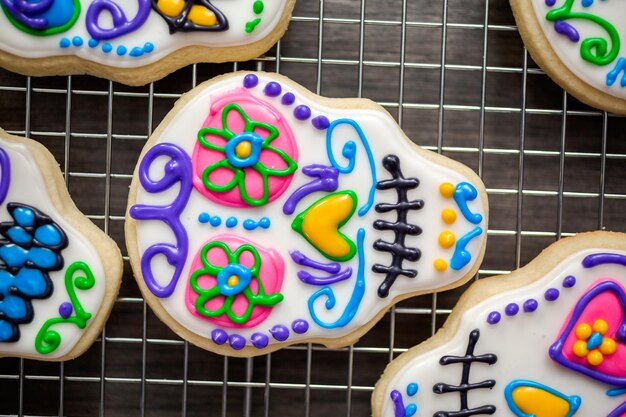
(59, 273)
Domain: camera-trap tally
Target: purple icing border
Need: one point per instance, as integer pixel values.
(556, 350)
(177, 169)
(597, 259)
(5, 179)
(619, 411)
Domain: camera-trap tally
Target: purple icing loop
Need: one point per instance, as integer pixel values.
(178, 169)
(326, 181)
(5, 174)
(301, 259)
(566, 29)
(121, 24)
(331, 279)
(20, 9)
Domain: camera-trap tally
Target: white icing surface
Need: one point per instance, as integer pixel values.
(385, 137)
(154, 30)
(521, 344)
(612, 11)
(27, 187)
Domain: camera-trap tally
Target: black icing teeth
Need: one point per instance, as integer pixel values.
(465, 386)
(401, 228)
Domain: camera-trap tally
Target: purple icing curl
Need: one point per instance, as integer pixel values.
(566, 29)
(327, 180)
(177, 169)
(300, 326)
(121, 24)
(280, 332)
(596, 259)
(5, 174)
(21, 9)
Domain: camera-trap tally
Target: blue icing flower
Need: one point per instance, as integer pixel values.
(48, 235)
(6, 331)
(18, 235)
(233, 279)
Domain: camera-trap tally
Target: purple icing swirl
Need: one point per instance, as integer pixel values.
(177, 169)
(21, 9)
(327, 180)
(121, 24)
(5, 174)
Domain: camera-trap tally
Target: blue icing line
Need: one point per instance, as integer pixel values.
(355, 299)
(611, 77)
(349, 152)
(574, 401)
(250, 224)
(463, 193)
(462, 257)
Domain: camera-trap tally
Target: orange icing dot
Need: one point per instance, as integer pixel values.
(600, 326)
(440, 265)
(583, 331)
(595, 357)
(446, 189)
(448, 215)
(446, 239)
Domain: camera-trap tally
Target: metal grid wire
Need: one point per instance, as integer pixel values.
(455, 75)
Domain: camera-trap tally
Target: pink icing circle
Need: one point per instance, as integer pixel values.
(259, 111)
(271, 275)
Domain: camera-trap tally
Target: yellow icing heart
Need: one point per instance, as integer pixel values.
(202, 16)
(540, 403)
(320, 224)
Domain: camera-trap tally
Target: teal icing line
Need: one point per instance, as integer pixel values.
(463, 193)
(612, 76)
(355, 299)
(574, 401)
(349, 152)
(461, 256)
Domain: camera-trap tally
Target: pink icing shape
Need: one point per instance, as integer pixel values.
(608, 307)
(259, 111)
(271, 274)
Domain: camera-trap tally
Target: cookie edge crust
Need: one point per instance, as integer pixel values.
(107, 250)
(544, 55)
(336, 103)
(139, 76)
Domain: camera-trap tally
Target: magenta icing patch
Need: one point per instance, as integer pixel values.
(271, 274)
(257, 111)
(604, 300)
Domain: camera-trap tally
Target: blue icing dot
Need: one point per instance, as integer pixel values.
(64, 43)
(121, 50)
(6, 331)
(410, 410)
(204, 217)
(215, 221)
(148, 47)
(136, 51)
(42, 257)
(24, 216)
(19, 235)
(411, 389)
(77, 41)
(231, 222)
(93, 43)
(265, 222)
(31, 282)
(249, 224)
(13, 255)
(106, 48)
(48, 235)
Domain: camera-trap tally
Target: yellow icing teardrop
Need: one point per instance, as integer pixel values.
(539, 402)
(171, 8)
(202, 16)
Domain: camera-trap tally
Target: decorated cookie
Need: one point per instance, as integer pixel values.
(549, 340)
(59, 273)
(135, 41)
(579, 43)
(262, 215)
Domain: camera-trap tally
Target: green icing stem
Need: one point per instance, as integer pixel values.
(47, 339)
(594, 50)
(257, 8)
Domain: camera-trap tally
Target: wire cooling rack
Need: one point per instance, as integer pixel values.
(455, 75)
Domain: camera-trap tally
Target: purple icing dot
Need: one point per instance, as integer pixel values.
(511, 309)
(551, 294)
(236, 341)
(493, 317)
(321, 122)
(219, 336)
(272, 89)
(300, 326)
(65, 309)
(530, 305)
(288, 99)
(280, 332)
(302, 112)
(569, 281)
(250, 81)
(550, 3)
(259, 340)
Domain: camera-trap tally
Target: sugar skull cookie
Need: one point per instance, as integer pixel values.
(547, 340)
(262, 215)
(579, 44)
(59, 273)
(135, 41)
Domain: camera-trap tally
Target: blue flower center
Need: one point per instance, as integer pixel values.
(233, 279)
(244, 149)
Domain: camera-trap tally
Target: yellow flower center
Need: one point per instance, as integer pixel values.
(233, 280)
(592, 343)
(243, 149)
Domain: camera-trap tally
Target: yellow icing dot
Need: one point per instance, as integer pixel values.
(202, 16)
(580, 349)
(446, 189)
(600, 326)
(440, 265)
(446, 239)
(583, 331)
(608, 346)
(243, 149)
(595, 357)
(233, 280)
(448, 215)
(171, 8)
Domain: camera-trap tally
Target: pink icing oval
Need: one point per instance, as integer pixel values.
(271, 275)
(259, 111)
